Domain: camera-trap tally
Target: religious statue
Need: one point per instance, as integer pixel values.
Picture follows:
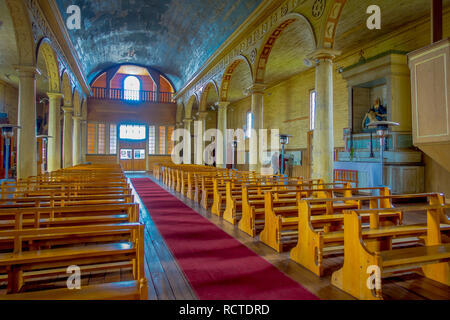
(377, 112)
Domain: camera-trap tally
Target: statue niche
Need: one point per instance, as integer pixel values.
(377, 112)
(382, 81)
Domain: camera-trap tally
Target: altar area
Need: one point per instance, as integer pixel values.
(385, 79)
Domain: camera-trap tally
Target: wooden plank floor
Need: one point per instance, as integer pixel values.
(166, 281)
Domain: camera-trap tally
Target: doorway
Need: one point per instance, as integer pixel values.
(132, 147)
(132, 155)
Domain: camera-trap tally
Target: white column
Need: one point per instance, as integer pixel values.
(221, 150)
(76, 143)
(26, 137)
(323, 137)
(257, 92)
(67, 137)
(54, 131)
(187, 148)
(200, 143)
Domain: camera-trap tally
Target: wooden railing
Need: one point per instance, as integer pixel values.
(132, 95)
(341, 175)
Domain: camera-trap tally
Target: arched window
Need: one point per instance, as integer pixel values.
(132, 87)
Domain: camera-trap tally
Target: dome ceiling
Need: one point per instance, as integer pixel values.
(173, 36)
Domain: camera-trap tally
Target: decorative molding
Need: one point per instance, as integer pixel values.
(205, 92)
(318, 8)
(256, 88)
(267, 49)
(324, 54)
(331, 23)
(253, 55)
(228, 74)
(52, 64)
(42, 29)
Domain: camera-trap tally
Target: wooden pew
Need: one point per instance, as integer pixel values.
(51, 217)
(186, 179)
(69, 214)
(282, 222)
(233, 202)
(212, 188)
(370, 253)
(64, 186)
(234, 187)
(62, 192)
(74, 216)
(253, 207)
(316, 242)
(57, 200)
(17, 262)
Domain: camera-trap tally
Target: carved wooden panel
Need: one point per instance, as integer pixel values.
(430, 78)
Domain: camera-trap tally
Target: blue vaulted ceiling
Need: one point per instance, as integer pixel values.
(173, 36)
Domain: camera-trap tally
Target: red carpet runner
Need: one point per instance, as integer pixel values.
(217, 266)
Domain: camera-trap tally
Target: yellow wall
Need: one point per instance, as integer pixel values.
(237, 117)
(286, 106)
(9, 101)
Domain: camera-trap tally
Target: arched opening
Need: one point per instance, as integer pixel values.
(209, 97)
(237, 77)
(166, 90)
(132, 87)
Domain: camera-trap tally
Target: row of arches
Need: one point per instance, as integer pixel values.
(44, 86)
(298, 58)
(241, 73)
(58, 80)
(42, 55)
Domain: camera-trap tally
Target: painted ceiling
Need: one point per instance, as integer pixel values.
(175, 37)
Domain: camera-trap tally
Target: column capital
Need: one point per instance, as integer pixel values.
(77, 118)
(257, 88)
(324, 54)
(67, 109)
(31, 71)
(222, 104)
(55, 95)
(188, 120)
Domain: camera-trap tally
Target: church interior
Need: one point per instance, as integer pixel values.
(225, 150)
